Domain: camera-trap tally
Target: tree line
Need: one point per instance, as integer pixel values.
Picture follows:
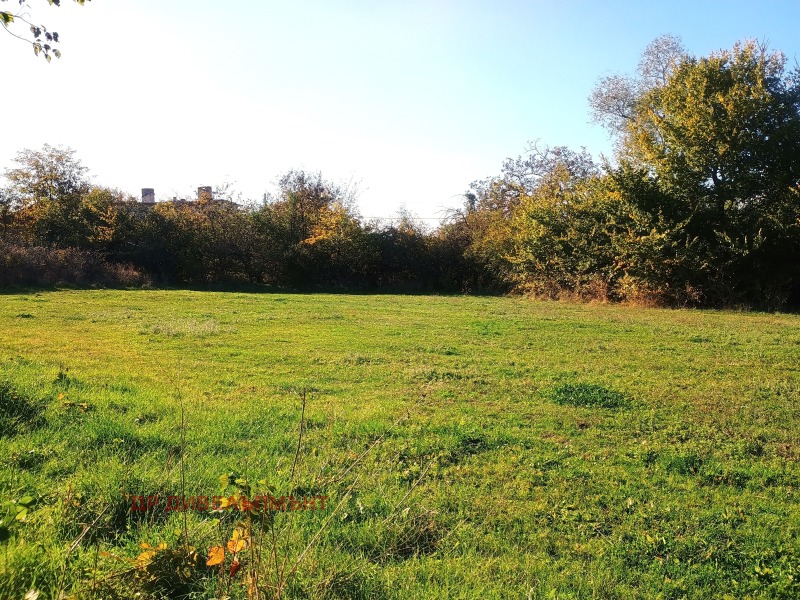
(699, 207)
(56, 227)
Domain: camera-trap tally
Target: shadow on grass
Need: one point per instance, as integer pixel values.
(244, 288)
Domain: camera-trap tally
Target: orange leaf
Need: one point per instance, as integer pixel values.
(235, 546)
(239, 534)
(216, 554)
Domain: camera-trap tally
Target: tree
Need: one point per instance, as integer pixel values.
(520, 176)
(52, 174)
(615, 100)
(6, 213)
(46, 191)
(723, 130)
(42, 41)
(303, 197)
(561, 229)
(308, 233)
(494, 212)
(719, 136)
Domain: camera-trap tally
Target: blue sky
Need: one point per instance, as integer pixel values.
(408, 101)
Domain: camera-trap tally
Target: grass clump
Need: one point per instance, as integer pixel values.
(589, 395)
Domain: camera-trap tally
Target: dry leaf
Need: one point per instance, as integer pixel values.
(216, 554)
(235, 566)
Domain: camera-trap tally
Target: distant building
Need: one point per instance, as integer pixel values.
(204, 193)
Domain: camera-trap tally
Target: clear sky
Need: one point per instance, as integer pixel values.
(412, 100)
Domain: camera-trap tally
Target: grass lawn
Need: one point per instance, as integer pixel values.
(468, 447)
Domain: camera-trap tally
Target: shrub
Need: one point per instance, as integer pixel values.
(38, 265)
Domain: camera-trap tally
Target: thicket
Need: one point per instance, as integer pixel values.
(701, 207)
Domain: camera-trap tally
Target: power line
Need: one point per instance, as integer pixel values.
(400, 218)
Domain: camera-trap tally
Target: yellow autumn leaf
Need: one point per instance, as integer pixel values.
(216, 554)
(239, 534)
(235, 546)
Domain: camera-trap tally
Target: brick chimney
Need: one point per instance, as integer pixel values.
(205, 193)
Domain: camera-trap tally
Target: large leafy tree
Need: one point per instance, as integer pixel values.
(719, 136)
(46, 190)
(723, 132)
(42, 41)
(51, 174)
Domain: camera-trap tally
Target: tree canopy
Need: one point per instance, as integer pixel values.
(719, 138)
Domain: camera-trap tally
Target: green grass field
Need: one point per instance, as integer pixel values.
(469, 447)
